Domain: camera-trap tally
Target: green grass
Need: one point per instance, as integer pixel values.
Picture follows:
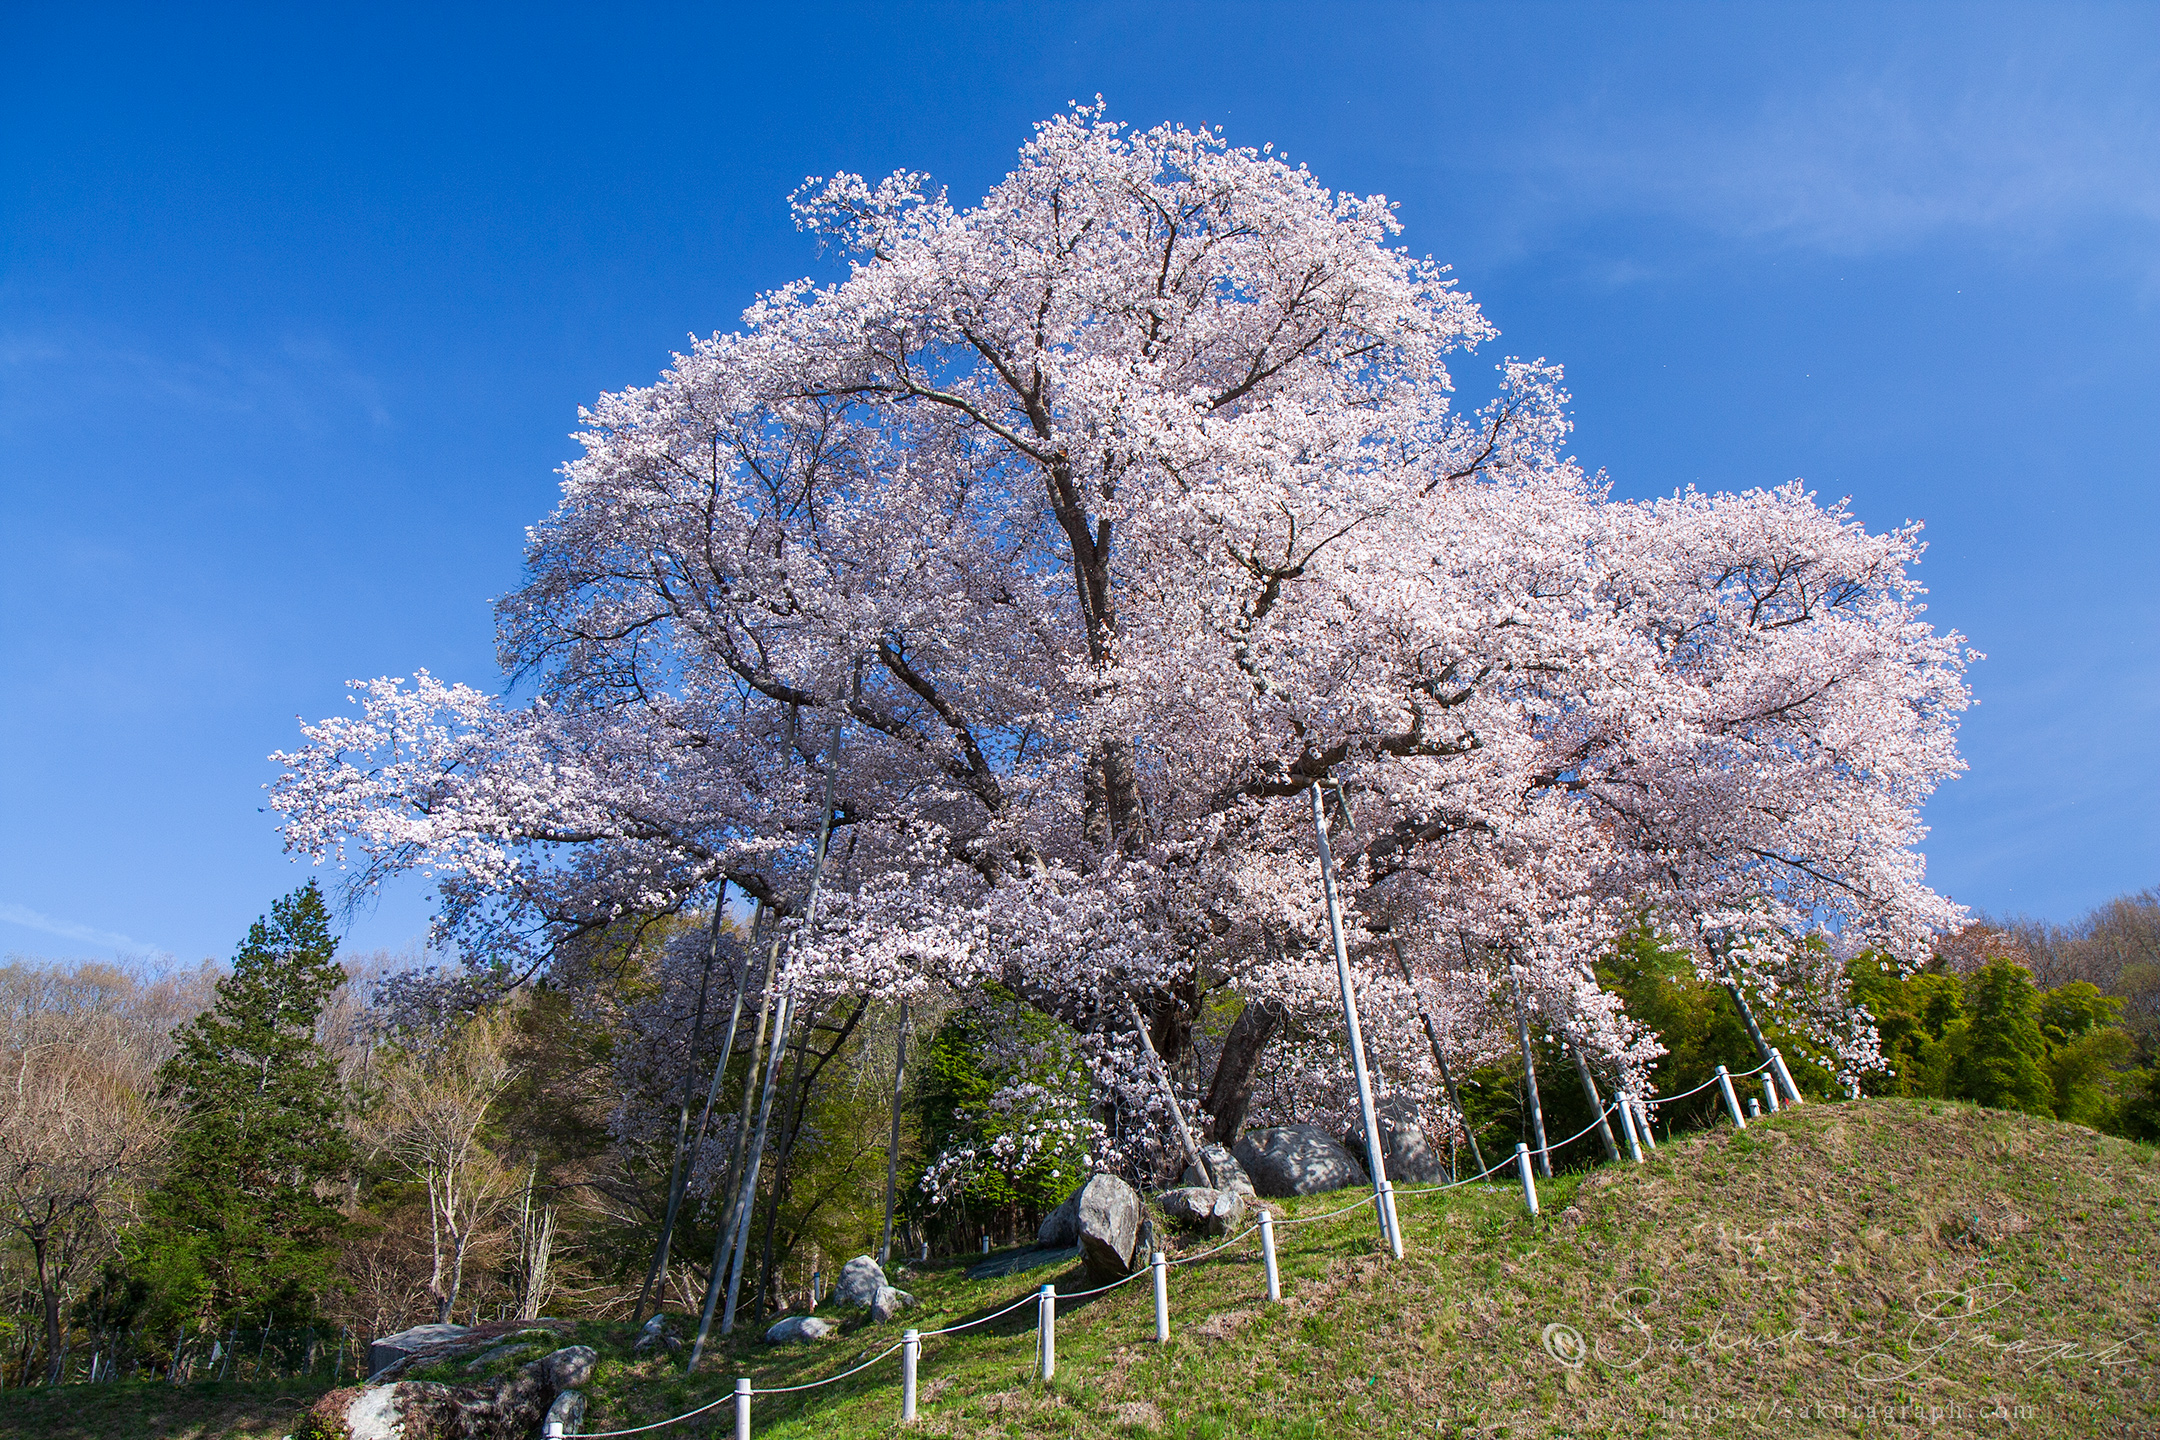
(1779, 1282)
(205, 1410)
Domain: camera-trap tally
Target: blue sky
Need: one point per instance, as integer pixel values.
(296, 310)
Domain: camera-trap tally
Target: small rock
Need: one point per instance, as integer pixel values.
(656, 1332)
(1297, 1160)
(889, 1303)
(1108, 1212)
(860, 1281)
(568, 1411)
(1229, 1175)
(1195, 1207)
(799, 1329)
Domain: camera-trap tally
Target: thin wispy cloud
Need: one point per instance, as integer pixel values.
(307, 384)
(2029, 153)
(71, 930)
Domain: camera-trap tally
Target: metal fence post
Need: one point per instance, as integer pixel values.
(1394, 1221)
(1769, 1093)
(910, 1355)
(1627, 1126)
(1267, 1253)
(1046, 1330)
(742, 1408)
(1732, 1102)
(1777, 1063)
(1642, 1116)
(1529, 1184)
(1161, 1266)
(1754, 1108)
(986, 1244)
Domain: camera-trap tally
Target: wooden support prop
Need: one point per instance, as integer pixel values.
(1777, 1063)
(1597, 1104)
(1627, 1125)
(1193, 1156)
(1732, 1103)
(1375, 1155)
(1161, 1266)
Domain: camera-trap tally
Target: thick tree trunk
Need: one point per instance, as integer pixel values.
(49, 1294)
(1229, 1096)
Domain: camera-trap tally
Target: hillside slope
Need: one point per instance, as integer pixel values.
(1881, 1268)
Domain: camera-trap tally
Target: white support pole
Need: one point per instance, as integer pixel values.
(1754, 1108)
(1642, 1119)
(742, 1408)
(1267, 1253)
(1046, 1331)
(1394, 1221)
(1769, 1093)
(1375, 1160)
(926, 1251)
(1627, 1126)
(1529, 1182)
(1161, 1264)
(910, 1356)
(986, 1244)
(1777, 1063)
(817, 1280)
(1732, 1102)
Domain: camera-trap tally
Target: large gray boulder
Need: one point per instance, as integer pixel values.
(1229, 1175)
(507, 1409)
(1061, 1227)
(888, 1303)
(568, 1412)
(799, 1330)
(1107, 1212)
(1197, 1208)
(860, 1281)
(1297, 1160)
(383, 1353)
(1408, 1155)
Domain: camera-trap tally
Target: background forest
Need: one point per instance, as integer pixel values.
(275, 1156)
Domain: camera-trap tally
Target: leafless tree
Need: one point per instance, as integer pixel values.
(430, 1121)
(79, 1123)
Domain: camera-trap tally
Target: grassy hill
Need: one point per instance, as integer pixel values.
(1881, 1268)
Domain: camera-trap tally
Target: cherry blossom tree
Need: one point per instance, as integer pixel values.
(1105, 515)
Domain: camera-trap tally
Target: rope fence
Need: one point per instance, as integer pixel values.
(909, 1347)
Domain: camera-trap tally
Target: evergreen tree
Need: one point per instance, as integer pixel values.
(1999, 1055)
(244, 1226)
